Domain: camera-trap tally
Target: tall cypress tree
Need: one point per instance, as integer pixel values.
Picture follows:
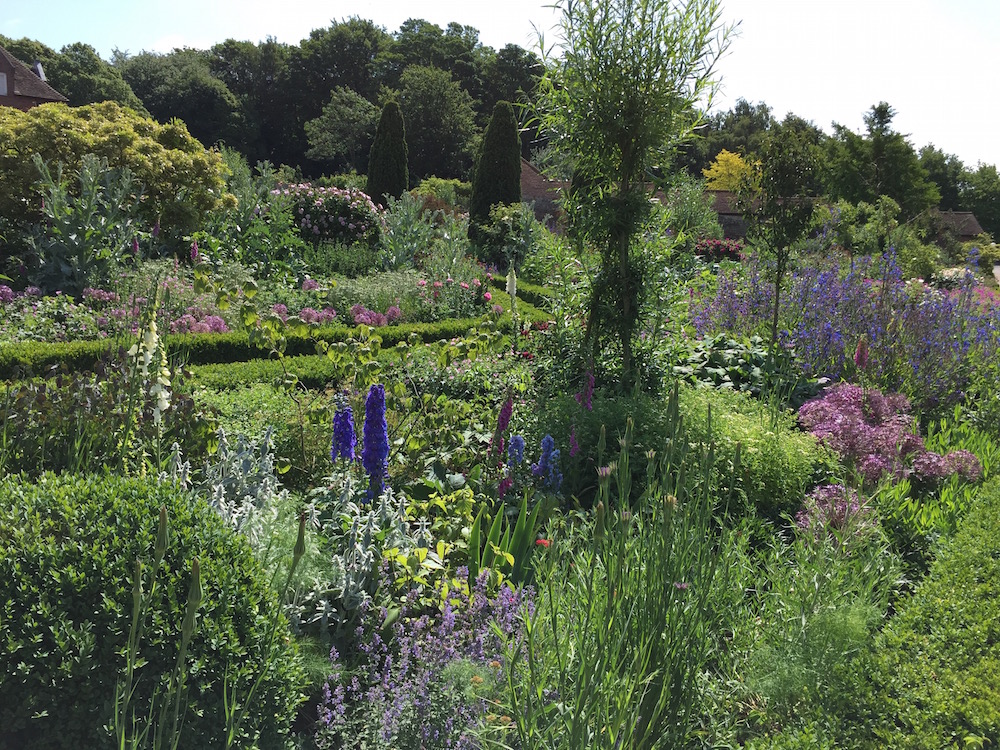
(387, 169)
(497, 179)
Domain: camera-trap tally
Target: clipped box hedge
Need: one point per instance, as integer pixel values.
(936, 671)
(34, 358)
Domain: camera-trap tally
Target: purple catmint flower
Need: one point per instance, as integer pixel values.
(375, 448)
(344, 437)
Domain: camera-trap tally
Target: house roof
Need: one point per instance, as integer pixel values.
(26, 83)
(962, 223)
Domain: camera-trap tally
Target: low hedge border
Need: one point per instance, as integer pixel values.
(33, 358)
(935, 673)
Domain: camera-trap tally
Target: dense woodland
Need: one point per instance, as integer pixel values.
(314, 107)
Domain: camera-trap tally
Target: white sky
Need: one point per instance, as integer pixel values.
(825, 60)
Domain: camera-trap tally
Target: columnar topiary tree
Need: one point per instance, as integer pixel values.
(497, 178)
(387, 169)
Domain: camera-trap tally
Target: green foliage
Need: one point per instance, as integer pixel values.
(454, 193)
(619, 629)
(936, 670)
(344, 131)
(440, 122)
(181, 181)
(88, 231)
(409, 231)
(773, 199)
(70, 548)
(496, 179)
(778, 463)
(388, 162)
(621, 94)
(687, 211)
(508, 236)
(860, 168)
(180, 85)
(749, 366)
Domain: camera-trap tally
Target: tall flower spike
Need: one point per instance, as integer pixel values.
(344, 437)
(375, 448)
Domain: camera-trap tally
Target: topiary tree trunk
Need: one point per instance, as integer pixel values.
(388, 174)
(497, 177)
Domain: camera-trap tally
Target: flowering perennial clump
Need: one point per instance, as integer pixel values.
(344, 436)
(547, 468)
(875, 434)
(332, 214)
(836, 509)
(428, 685)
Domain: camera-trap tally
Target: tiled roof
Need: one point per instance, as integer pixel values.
(26, 83)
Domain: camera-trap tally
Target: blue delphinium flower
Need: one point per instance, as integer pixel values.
(375, 448)
(547, 468)
(344, 437)
(515, 451)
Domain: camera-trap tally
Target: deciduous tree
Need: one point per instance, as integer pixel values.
(619, 94)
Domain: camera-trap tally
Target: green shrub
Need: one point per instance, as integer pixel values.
(935, 672)
(182, 180)
(779, 463)
(68, 546)
(497, 176)
(454, 193)
(388, 170)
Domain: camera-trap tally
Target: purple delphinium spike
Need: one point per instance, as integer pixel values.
(344, 437)
(375, 448)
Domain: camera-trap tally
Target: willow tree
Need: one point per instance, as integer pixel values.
(624, 85)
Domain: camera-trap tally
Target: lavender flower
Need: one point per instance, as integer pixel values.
(375, 449)
(344, 437)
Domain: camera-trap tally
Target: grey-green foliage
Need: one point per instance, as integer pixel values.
(86, 232)
(408, 230)
(354, 537)
(241, 484)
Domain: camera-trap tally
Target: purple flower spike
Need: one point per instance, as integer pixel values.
(344, 437)
(375, 449)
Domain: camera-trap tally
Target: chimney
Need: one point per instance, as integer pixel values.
(37, 68)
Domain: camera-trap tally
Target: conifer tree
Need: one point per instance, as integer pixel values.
(497, 179)
(387, 168)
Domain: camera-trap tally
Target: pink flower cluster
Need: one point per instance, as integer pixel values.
(875, 433)
(331, 213)
(363, 316)
(188, 323)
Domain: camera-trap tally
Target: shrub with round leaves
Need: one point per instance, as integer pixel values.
(68, 546)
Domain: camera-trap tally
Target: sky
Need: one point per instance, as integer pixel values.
(824, 60)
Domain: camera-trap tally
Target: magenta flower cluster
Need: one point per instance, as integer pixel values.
(875, 434)
(363, 316)
(714, 251)
(833, 509)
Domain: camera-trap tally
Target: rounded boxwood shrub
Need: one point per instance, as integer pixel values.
(68, 547)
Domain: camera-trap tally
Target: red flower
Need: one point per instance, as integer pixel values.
(542, 542)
